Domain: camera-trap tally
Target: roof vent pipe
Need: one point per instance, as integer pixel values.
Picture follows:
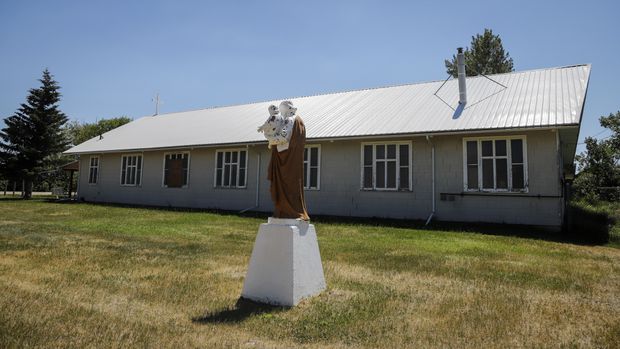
(460, 62)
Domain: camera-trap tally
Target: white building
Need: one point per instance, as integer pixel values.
(404, 151)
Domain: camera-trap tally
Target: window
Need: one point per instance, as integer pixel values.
(495, 164)
(131, 170)
(312, 160)
(93, 170)
(230, 169)
(176, 170)
(386, 166)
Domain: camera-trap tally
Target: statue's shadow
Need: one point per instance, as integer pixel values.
(243, 309)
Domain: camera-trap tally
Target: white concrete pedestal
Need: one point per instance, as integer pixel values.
(285, 266)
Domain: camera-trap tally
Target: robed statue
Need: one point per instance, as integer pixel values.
(286, 133)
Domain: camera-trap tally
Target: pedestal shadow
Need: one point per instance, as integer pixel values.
(243, 309)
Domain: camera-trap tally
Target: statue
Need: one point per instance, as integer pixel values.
(285, 266)
(285, 130)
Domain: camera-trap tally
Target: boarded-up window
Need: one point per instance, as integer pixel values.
(131, 170)
(231, 168)
(176, 170)
(386, 166)
(311, 166)
(93, 170)
(499, 162)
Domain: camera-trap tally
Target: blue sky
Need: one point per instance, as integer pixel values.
(111, 57)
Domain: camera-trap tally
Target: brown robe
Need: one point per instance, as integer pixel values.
(286, 173)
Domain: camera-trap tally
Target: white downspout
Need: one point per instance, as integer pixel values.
(77, 187)
(432, 179)
(256, 204)
(560, 163)
(258, 180)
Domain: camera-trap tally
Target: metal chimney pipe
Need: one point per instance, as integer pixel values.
(460, 62)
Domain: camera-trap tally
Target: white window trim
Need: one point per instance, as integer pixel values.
(318, 179)
(90, 167)
(120, 176)
(374, 167)
(238, 167)
(508, 156)
(163, 168)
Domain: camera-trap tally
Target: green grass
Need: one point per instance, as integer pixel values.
(76, 275)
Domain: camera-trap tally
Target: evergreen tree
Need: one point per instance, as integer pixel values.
(33, 134)
(485, 56)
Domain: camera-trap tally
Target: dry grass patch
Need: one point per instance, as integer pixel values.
(98, 276)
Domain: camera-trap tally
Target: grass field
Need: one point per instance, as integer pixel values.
(82, 275)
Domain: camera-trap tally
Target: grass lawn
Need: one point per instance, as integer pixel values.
(83, 275)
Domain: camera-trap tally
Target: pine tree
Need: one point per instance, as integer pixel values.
(33, 134)
(486, 56)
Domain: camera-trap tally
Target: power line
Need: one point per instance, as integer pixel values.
(605, 130)
(602, 139)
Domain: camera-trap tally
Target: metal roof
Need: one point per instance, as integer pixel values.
(551, 97)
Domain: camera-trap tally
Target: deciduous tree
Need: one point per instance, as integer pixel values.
(599, 170)
(81, 132)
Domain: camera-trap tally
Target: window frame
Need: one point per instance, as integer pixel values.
(398, 166)
(509, 164)
(90, 168)
(141, 155)
(318, 167)
(217, 151)
(163, 169)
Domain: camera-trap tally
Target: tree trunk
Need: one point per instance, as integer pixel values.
(27, 189)
(70, 184)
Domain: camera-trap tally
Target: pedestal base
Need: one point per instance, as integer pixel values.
(285, 266)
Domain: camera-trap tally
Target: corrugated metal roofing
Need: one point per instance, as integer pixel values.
(536, 98)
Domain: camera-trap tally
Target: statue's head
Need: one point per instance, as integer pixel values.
(273, 110)
(287, 109)
(271, 126)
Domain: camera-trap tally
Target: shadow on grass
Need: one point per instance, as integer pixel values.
(252, 214)
(243, 309)
(8, 198)
(588, 225)
(37, 198)
(497, 229)
(576, 235)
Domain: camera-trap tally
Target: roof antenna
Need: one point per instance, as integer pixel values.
(157, 102)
